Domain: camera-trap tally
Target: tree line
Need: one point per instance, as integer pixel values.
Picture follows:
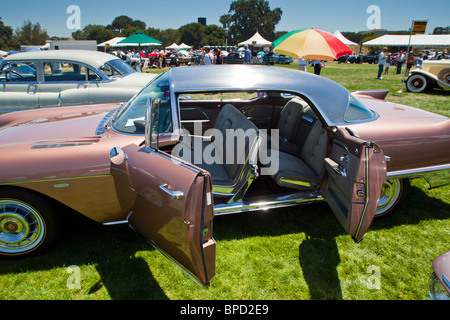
(243, 20)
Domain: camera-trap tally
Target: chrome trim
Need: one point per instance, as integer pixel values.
(114, 223)
(436, 176)
(367, 194)
(176, 195)
(270, 203)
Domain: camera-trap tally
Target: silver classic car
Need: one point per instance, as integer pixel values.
(203, 141)
(66, 77)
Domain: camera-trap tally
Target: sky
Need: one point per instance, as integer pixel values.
(328, 15)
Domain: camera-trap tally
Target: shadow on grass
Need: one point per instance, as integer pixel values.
(112, 250)
(318, 253)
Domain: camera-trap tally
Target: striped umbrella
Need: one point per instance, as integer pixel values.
(310, 44)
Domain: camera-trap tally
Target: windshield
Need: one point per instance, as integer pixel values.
(116, 68)
(356, 111)
(131, 119)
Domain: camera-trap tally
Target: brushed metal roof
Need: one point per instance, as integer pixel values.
(330, 98)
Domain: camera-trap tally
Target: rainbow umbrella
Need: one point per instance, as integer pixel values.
(310, 44)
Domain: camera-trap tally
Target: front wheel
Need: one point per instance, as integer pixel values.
(27, 224)
(417, 83)
(392, 192)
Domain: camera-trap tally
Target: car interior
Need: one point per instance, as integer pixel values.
(301, 143)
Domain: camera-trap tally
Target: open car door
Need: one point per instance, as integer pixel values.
(170, 201)
(356, 170)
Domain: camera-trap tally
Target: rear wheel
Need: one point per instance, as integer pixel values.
(392, 192)
(27, 224)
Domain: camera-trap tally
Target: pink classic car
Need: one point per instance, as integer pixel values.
(203, 141)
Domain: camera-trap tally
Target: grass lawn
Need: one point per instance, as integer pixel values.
(297, 253)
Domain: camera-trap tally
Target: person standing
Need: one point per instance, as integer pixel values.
(247, 55)
(208, 59)
(302, 64)
(388, 64)
(381, 62)
(399, 61)
(409, 62)
(317, 66)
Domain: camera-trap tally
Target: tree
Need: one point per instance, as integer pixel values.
(6, 36)
(246, 17)
(31, 34)
(121, 23)
(193, 34)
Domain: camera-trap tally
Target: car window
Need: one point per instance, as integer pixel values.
(356, 111)
(116, 68)
(131, 119)
(18, 72)
(64, 71)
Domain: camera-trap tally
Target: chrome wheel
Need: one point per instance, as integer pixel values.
(28, 224)
(21, 227)
(391, 193)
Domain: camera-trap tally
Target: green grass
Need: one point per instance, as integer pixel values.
(297, 253)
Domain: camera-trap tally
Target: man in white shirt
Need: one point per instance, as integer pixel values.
(208, 59)
(381, 62)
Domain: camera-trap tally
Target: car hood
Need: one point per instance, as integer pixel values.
(52, 125)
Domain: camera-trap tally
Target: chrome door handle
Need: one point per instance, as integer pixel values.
(173, 194)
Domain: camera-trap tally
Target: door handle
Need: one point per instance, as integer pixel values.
(173, 194)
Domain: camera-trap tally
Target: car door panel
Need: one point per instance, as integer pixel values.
(172, 208)
(356, 169)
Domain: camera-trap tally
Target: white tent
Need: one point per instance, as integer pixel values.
(173, 46)
(418, 40)
(184, 46)
(347, 42)
(112, 42)
(3, 53)
(256, 40)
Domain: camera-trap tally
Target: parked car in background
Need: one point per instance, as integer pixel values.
(282, 59)
(179, 58)
(368, 58)
(42, 79)
(198, 142)
(439, 286)
(234, 58)
(433, 74)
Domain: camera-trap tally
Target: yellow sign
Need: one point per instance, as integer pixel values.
(419, 27)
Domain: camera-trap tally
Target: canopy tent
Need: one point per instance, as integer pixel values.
(173, 46)
(347, 42)
(184, 46)
(112, 42)
(256, 40)
(417, 40)
(139, 39)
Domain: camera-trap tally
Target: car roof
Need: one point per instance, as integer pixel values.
(93, 58)
(330, 98)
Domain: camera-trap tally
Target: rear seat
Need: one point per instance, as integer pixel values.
(303, 145)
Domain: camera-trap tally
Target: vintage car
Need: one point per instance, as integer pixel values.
(439, 286)
(433, 74)
(42, 79)
(234, 58)
(203, 141)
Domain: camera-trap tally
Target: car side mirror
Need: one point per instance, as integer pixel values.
(117, 156)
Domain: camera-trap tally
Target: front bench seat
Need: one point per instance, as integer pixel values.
(235, 168)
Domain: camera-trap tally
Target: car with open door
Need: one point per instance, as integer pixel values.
(192, 145)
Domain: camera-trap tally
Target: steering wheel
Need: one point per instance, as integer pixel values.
(13, 72)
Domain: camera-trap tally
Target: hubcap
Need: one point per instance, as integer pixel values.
(389, 196)
(417, 83)
(21, 227)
